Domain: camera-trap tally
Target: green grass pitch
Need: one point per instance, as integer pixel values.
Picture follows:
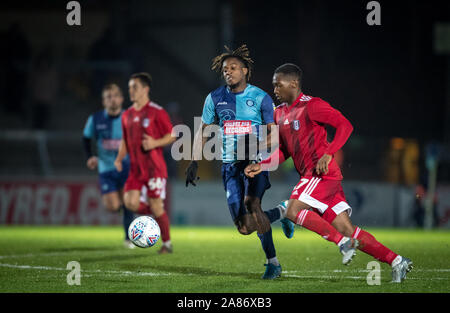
(209, 259)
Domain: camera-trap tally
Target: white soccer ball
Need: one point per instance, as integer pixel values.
(144, 232)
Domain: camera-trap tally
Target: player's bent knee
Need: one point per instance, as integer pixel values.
(343, 225)
(243, 230)
(112, 207)
(252, 205)
(347, 230)
(247, 204)
(254, 208)
(132, 204)
(111, 202)
(294, 208)
(157, 205)
(243, 224)
(292, 213)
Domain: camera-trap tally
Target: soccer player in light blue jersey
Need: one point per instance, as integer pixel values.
(240, 109)
(106, 128)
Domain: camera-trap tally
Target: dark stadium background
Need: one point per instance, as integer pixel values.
(391, 81)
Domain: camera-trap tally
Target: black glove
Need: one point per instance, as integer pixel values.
(191, 173)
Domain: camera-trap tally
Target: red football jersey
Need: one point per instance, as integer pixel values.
(303, 135)
(154, 121)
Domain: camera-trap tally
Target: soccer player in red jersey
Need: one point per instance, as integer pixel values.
(146, 130)
(318, 202)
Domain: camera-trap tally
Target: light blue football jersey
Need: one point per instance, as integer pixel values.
(237, 114)
(107, 131)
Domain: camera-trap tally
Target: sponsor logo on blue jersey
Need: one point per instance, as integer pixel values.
(243, 112)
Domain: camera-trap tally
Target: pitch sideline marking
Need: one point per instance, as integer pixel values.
(357, 277)
(50, 268)
(161, 274)
(367, 271)
(131, 273)
(285, 272)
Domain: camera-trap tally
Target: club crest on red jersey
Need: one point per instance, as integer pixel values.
(145, 122)
(296, 124)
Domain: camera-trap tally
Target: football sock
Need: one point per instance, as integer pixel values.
(163, 222)
(273, 261)
(312, 221)
(273, 215)
(342, 241)
(127, 218)
(144, 208)
(267, 244)
(369, 245)
(167, 243)
(397, 260)
(282, 212)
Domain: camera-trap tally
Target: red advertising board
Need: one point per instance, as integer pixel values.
(53, 202)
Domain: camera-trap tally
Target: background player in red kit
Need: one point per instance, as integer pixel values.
(302, 136)
(146, 129)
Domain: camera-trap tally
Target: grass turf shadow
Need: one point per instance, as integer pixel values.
(187, 270)
(198, 271)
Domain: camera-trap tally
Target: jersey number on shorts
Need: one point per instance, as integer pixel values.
(155, 183)
(302, 182)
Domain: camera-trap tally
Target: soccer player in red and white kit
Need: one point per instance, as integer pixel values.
(318, 202)
(146, 130)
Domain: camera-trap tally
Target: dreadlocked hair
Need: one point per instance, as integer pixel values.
(242, 53)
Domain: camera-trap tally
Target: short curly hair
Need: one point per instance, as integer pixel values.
(291, 70)
(242, 53)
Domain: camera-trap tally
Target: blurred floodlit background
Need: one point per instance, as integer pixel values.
(391, 81)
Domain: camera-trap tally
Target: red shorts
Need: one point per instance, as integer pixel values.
(155, 187)
(325, 196)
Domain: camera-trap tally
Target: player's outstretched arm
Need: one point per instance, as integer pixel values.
(120, 155)
(322, 112)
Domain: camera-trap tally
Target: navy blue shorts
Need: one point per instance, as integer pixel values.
(113, 180)
(237, 186)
